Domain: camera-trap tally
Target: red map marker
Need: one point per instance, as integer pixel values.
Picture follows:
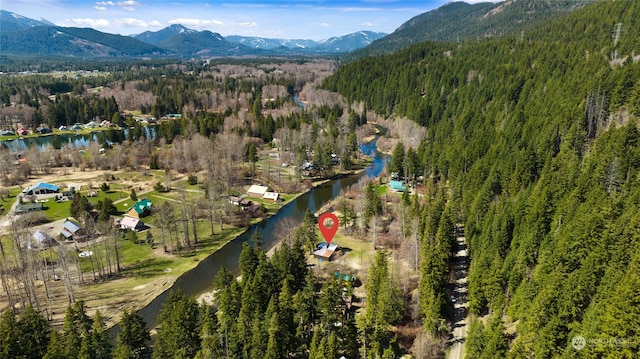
(328, 232)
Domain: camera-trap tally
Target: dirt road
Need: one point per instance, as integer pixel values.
(459, 296)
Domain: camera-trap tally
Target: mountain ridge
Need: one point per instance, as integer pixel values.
(10, 21)
(459, 21)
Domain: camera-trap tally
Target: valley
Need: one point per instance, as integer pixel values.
(499, 223)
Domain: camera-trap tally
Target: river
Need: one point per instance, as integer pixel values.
(76, 140)
(200, 279)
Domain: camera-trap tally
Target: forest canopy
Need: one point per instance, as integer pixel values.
(536, 137)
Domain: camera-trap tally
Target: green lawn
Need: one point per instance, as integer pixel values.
(59, 210)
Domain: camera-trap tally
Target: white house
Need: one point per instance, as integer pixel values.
(132, 223)
(271, 196)
(257, 191)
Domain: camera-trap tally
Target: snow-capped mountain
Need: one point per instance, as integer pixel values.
(10, 21)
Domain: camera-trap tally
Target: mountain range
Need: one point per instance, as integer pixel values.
(22, 36)
(455, 21)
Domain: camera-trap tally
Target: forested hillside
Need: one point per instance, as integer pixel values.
(459, 21)
(536, 139)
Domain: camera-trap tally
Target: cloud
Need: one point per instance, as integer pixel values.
(324, 24)
(102, 5)
(128, 5)
(131, 22)
(155, 23)
(368, 24)
(197, 23)
(88, 22)
(247, 24)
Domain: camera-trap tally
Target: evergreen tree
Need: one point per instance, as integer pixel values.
(315, 348)
(248, 262)
(397, 164)
(307, 231)
(77, 327)
(274, 345)
(330, 304)
(373, 206)
(304, 305)
(133, 333)
(9, 335)
(80, 205)
(259, 338)
(54, 349)
(106, 208)
(34, 333)
(177, 328)
(475, 344)
(210, 346)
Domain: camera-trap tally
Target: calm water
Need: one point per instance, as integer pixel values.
(59, 141)
(200, 279)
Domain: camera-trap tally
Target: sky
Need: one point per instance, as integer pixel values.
(282, 19)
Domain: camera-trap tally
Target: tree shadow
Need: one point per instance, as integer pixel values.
(147, 268)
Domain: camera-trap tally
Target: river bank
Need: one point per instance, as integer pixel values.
(199, 280)
(146, 273)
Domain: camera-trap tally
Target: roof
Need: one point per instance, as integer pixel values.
(142, 206)
(325, 251)
(44, 185)
(397, 185)
(271, 195)
(71, 226)
(129, 222)
(41, 237)
(29, 207)
(261, 190)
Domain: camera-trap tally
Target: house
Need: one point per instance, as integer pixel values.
(257, 191)
(72, 231)
(29, 207)
(397, 186)
(40, 240)
(141, 209)
(41, 188)
(132, 223)
(23, 131)
(271, 196)
(325, 251)
(7, 133)
(63, 128)
(43, 130)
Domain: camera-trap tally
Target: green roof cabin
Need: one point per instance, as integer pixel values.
(141, 209)
(397, 186)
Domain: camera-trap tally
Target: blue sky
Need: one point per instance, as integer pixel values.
(301, 19)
